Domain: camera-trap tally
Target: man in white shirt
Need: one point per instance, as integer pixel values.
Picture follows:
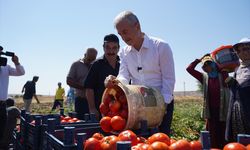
(145, 61)
(5, 72)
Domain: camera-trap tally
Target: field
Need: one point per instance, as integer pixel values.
(186, 120)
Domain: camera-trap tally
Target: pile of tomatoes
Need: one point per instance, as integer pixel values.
(158, 141)
(68, 119)
(114, 109)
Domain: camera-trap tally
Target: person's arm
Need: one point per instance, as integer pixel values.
(70, 78)
(123, 75)
(168, 72)
(191, 70)
(91, 101)
(38, 102)
(18, 70)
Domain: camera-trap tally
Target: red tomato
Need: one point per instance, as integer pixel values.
(181, 145)
(107, 100)
(92, 144)
(124, 113)
(248, 147)
(114, 106)
(122, 99)
(70, 121)
(234, 146)
(172, 141)
(61, 117)
(143, 146)
(63, 121)
(112, 114)
(196, 145)
(109, 142)
(98, 136)
(128, 135)
(105, 124)
(104, 109)
(118, 123)
(75, 119)
(160, 137)
(67, 118)
(159, 146)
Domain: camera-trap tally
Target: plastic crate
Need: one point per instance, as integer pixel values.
(56, 140)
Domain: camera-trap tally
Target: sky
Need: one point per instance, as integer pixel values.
(49, 35)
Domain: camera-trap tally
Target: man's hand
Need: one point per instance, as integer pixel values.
(15, 60)
(110, 81)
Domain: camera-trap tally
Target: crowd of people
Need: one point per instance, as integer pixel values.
(147, 61)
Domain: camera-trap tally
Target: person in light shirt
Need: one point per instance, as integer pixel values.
(5, 72)
(145, 61)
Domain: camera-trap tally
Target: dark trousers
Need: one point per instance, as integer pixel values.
(57, 102)
(3, 117)
(167, 119)
(81, 107)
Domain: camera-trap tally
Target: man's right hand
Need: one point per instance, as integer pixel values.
(110, 81)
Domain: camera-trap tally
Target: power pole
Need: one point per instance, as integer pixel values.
(184, 91)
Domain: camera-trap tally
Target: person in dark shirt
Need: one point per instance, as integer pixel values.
(13, 113)
(29, 90)
(108, 64)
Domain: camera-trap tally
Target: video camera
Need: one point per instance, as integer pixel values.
(3, 60)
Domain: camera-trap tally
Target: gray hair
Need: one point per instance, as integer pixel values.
(127, 16)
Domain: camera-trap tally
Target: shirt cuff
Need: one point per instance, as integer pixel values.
(168, 98)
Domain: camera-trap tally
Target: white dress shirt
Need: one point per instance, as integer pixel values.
(152, 66)
(5, 72)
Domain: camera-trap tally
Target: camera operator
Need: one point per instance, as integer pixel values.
(6, 71)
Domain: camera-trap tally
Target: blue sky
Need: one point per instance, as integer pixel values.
(49, 35)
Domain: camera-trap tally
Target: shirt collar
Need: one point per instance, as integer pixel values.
(145, 44)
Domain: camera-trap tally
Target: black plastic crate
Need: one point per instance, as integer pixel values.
(73, 139)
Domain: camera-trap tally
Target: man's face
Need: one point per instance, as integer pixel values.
(129, 32)
(243, 51)
(91, 55)
(111, 48)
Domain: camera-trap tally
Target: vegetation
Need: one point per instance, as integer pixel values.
(187, 122)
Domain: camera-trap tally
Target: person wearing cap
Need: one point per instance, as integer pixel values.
(5, 72)
(145, 61)
(216, 97)
(29, 90)
(59, 96)
(76, 78)
(108, 64)
(238, 120)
